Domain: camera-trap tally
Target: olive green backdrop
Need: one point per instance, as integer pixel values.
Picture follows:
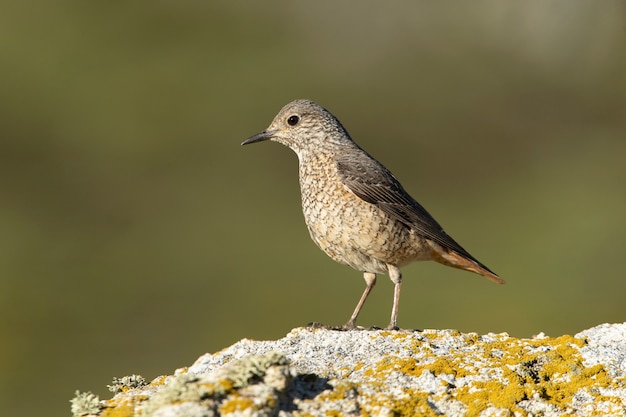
(137, 234)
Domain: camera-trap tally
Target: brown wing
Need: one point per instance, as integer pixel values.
(372, 182)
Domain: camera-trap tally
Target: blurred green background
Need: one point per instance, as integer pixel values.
(137, 234)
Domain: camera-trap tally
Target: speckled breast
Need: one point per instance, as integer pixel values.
(352, 231)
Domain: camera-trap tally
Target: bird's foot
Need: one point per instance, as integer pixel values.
(350, 325)
(316, 325)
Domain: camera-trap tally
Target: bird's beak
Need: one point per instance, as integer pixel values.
(259, 137)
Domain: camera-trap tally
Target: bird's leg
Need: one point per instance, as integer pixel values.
(396, 276)
(370, 281)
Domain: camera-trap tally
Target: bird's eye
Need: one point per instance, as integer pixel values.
(293, 120)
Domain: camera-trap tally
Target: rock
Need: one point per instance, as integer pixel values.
(320, 372)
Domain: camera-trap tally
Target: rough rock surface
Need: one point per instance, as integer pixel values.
(319, 372)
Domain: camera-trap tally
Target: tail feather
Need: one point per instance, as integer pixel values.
(455, 260)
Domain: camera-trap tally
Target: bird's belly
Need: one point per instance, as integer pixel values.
(359, 234)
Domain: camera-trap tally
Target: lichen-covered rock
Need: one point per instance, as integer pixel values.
(323, 372)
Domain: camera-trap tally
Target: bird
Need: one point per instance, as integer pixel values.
(355, 209)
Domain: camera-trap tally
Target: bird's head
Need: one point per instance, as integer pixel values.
(303, 126)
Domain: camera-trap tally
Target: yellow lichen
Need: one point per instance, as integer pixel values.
(124, 410)
(236, 403)
(122, 406)
(511, 370)
(160, 380)
(415, 403)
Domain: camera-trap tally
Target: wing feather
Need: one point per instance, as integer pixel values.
(369, 180)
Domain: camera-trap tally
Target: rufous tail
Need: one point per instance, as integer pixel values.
(455, 260)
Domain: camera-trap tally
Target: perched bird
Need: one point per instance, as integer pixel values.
(355, 209)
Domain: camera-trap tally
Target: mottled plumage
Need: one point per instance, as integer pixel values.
(355, 209)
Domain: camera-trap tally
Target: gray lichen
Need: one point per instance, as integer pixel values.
(179, 388)
(212, 390)
(85, 403)
(132, 381)
(252, 367)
